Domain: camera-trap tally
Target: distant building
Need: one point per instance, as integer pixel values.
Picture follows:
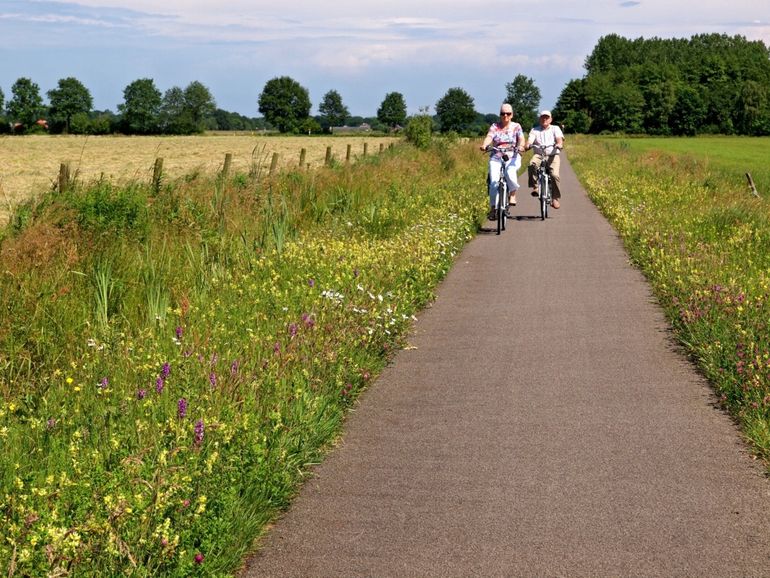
(363, 127)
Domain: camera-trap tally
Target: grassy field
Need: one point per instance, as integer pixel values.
(172, 360)
(728, 157)
(688, 221)
(29, 165)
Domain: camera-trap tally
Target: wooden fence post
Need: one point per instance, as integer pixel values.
(366, 146)
(302, 154)
(273, 163)
(752, 185)
(157, 174)
(226, 167)
(64, 177)
(347, 153)
(382, 147)
(328, 159)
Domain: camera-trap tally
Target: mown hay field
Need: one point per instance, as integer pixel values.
(30, 164)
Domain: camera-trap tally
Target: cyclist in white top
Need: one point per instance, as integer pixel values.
(547, 139)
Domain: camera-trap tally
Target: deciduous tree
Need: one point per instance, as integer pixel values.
(392, 111)
(70, 98)
(199, 104)
(455, 110)
(285, 103)
(333, 111)
(524, 97)
(26, 104)
(141, 107)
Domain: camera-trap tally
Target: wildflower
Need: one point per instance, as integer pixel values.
(69, 380)
(165, 371)
(199, 429)
(292, 330)
(103, 383)
(181, 408)
(277, 348)
(308, 320)
(213, 379)
(141, 393)
(159, 383)
(311, 282)
(51, 423)
(199, 558)
(178, 333)
(234, 367)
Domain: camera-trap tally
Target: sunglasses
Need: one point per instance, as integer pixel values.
(506, 114)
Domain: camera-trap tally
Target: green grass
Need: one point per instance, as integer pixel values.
(730, 157)
(171, 361)
(704, 246)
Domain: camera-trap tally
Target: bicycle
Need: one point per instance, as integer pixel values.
(501, 202)
(544, 182)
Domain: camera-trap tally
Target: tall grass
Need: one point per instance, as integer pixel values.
(171, 360)
(703, 241)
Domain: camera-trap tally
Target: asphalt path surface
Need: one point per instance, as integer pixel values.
(542, 423)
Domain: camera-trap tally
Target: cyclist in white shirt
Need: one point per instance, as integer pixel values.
(546, 139)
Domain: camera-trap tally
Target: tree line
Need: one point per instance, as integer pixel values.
(709, 83)
(284, 103)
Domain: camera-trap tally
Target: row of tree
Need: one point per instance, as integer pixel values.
(145, 110)
(710, 83)
(284, 104)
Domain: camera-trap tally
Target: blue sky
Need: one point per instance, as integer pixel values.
(363, 49)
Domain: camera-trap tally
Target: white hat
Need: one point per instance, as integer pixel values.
(545, 113)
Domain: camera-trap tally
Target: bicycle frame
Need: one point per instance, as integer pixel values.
(544, 182)
(501, 202)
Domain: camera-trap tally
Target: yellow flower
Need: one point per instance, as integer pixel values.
(69, 380)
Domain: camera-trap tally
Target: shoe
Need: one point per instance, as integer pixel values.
(492, 215)
(555, 203)
(535, 193)
(512, 200)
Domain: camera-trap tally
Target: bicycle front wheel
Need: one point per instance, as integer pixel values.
(502, 202)
(544, 194)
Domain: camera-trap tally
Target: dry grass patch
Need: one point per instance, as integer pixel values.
(30, 164)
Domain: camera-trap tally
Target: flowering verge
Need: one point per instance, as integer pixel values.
(153, 439)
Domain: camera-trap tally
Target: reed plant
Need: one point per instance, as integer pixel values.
(172, 360)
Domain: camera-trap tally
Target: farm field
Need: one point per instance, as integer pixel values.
(731, 156)
(30, 164)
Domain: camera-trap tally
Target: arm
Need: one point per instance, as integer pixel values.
(559, 137)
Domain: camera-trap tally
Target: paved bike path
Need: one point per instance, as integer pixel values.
(543, 425)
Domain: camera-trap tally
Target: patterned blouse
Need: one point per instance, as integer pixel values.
(505, 138)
